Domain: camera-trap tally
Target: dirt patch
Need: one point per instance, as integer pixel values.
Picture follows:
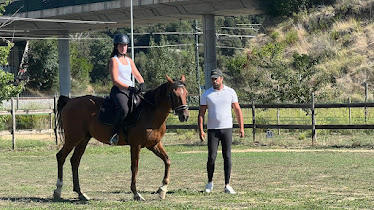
(293, 150)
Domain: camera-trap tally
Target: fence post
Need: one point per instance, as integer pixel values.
(366, 100)
(349, 110)
(278, 121)
(13, 111)
(314, 133)
(55, 113)
(254, 119)
(17, 101)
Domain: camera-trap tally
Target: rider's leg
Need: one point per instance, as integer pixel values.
(121, 99)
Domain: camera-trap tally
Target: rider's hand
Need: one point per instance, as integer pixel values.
(133, 90)
(142, 87)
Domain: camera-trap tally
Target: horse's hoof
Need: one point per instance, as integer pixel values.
(83, 197)
(162, 192)
(138, 197)
(56, 195)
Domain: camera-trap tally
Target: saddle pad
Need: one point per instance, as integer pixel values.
(107, 112)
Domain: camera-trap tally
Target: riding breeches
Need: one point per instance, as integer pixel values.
(214, 136)
(121, 99)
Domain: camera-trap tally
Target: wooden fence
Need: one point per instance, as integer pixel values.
(312, 106)
(13, 111)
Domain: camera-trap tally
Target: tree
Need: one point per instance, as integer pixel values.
(8, 87)
(80, 70)
(161, 61)
(99, 52)
(43, 65)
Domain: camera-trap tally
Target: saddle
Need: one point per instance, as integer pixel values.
(108, 109)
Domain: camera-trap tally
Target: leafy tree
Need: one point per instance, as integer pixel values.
(7, 87)
(161, 61)
(265, 73)
(80, 69)
(288, 7)
(43, 65)
(99, 52)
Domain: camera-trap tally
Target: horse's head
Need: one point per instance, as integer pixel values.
(178, 98)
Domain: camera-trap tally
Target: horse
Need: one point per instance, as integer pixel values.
(78, 118)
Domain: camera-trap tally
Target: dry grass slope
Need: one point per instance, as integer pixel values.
(340, 36)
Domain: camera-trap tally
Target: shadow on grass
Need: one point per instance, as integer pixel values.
(41, 200)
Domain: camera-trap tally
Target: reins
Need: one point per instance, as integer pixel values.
(142, 97)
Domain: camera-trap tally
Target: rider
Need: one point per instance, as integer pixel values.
(121, 68)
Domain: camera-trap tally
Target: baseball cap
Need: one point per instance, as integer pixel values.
(216, 73)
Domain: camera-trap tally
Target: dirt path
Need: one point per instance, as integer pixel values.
(294, 150)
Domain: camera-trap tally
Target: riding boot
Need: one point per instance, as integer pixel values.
(117, 123)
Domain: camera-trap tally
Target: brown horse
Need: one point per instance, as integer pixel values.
(79, 120)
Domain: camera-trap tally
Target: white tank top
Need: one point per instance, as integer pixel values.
(124, 72)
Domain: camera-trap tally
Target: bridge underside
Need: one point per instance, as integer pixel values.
(62, 21)
(116, 14)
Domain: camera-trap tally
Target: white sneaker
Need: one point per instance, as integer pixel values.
(209, 187)
(114, 139)
(228, 189)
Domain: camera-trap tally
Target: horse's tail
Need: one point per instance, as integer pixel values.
(62, 101)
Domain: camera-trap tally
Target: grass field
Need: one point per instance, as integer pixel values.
(275, 176)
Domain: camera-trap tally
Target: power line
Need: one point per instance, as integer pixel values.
(232, 35)
(168, 33)
(240, 28)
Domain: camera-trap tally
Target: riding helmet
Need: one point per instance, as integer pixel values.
(121, 39)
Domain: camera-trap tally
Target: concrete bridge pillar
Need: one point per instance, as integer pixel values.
(64, 64)
(210, 52)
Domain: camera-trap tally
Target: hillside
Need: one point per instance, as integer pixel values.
(337, 39)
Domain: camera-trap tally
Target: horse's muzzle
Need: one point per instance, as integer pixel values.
(183, 115)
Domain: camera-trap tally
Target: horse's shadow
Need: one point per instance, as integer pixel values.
(62, 200)
(39, 200)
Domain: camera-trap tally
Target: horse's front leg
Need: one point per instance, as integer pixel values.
(158, 149)
(135, 150)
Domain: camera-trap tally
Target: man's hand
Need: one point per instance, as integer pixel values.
(241, 133)
(202, 136)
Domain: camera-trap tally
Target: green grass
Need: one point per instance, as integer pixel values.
(298, 178)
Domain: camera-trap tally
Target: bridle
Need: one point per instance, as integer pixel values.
(173, 106)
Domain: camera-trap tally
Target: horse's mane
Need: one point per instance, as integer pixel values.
(154, 96)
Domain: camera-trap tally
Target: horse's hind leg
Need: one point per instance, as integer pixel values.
(158, 149)
(75, 161)
(61, 157)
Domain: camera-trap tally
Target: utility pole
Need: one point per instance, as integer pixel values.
(132, 37)
(197, 58)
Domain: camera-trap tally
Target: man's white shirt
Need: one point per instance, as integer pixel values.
(219, 104)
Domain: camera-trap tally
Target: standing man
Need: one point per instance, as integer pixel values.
(218, 100)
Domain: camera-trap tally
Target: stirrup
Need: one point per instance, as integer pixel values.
(114, 140)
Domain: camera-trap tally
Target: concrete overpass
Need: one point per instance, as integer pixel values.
(40, 18)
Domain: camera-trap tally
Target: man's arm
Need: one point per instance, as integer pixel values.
(239, 118)
(200, 121)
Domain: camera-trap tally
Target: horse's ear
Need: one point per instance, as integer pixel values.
(183, 78)
(169, 79)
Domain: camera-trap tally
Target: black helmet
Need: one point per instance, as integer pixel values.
(121, 39)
